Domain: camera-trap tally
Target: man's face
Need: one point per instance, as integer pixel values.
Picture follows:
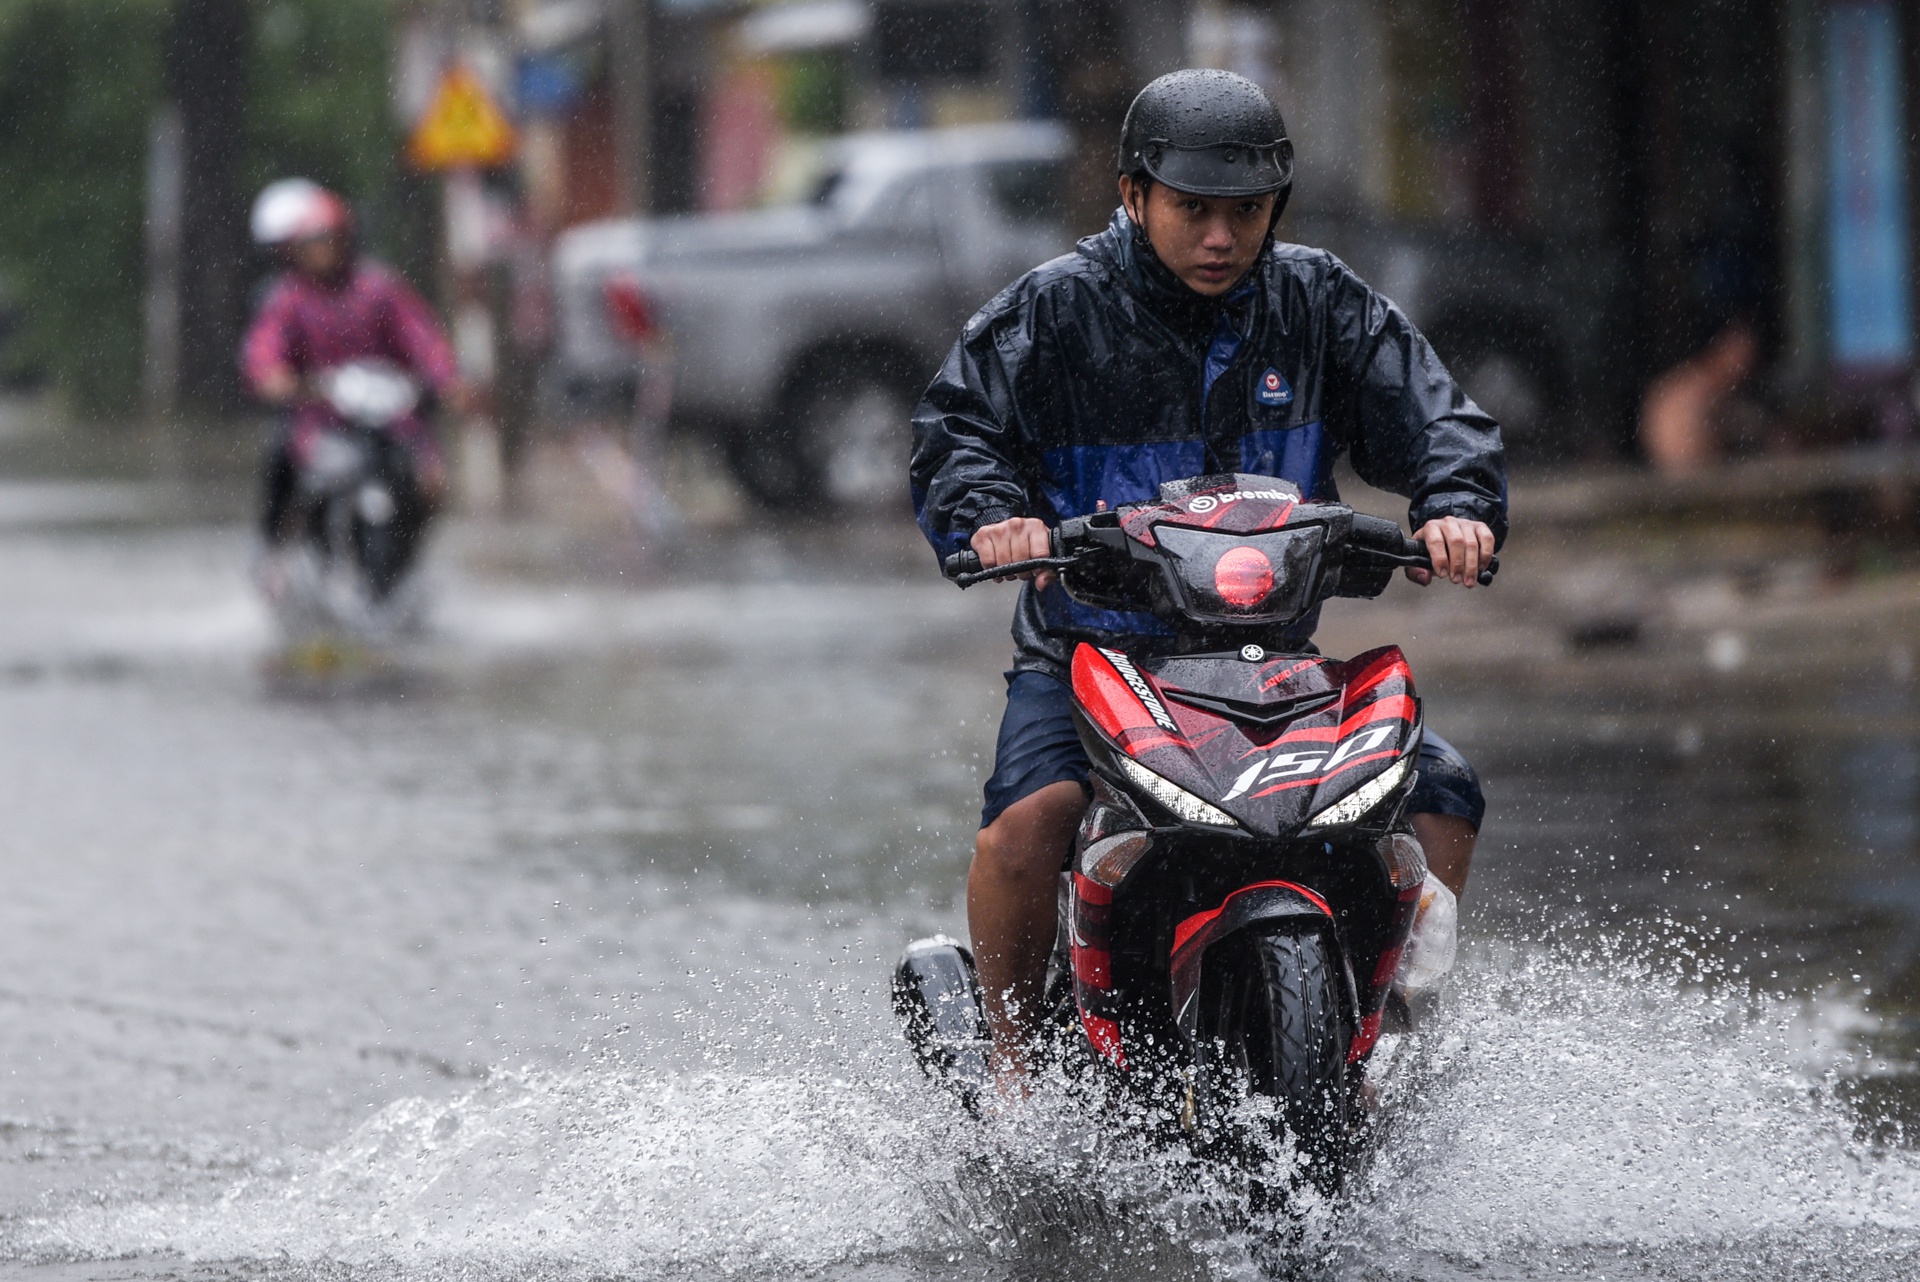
(1209, 242)
(320, 257)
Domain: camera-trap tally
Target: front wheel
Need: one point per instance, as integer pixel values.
(1273, 1026)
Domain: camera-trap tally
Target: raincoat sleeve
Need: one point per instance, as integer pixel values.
(270, 344)
(1410, 428)
(971, 432)
(416, 335)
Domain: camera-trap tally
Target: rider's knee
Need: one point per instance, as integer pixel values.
(1030, 839)
(1005, 852)
(1447, 784)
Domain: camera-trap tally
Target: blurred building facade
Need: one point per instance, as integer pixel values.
(1569, 195)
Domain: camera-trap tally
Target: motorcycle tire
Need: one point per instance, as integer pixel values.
(1273, 1023)
(381, 555)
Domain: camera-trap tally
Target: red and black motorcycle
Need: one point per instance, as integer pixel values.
(1242, 888)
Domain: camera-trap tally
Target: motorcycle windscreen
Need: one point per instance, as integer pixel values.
(1269, 578)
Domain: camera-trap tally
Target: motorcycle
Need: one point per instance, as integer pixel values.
(1237, 913)
(359, 511)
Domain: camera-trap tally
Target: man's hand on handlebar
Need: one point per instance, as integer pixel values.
(1460, 549)
(1020, 538)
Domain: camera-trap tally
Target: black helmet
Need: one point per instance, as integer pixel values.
(1211, 133)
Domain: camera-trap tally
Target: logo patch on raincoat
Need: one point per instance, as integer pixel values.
(1272, 389)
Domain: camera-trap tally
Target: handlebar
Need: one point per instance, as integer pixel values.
(1372, 537)
(1384, 540)
(965, 570)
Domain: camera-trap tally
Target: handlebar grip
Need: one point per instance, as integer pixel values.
(1381, 535)
(963, 562)
(1493, 568)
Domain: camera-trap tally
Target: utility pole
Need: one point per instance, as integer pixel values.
(629, 43)
(160, 385)
(206, 61)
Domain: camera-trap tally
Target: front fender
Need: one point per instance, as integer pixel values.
(1262, 901)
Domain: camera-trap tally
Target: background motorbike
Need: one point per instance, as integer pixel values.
(358, 508)
(1240, 894)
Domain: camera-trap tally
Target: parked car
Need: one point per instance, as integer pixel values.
(803, 333)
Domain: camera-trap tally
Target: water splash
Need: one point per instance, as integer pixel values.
(1584, 1111)
(592, 1171)
(1594, 1101)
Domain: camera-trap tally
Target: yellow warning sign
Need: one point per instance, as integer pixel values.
(463, 127)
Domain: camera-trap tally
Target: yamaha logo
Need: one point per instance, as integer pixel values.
(1252, 653)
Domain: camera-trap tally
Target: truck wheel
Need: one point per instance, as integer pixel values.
(1273, 1023)
(769, 466)
(860, 437)
(841, 440)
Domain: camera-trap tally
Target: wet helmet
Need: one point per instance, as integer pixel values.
(1211, 133)
(294, 209)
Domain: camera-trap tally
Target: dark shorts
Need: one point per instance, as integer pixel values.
(1038, 746)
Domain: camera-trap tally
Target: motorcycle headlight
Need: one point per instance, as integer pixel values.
(1173, 797)
(1354, 806)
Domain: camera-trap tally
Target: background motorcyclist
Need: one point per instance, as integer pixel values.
(330, 307)
(1182, 340)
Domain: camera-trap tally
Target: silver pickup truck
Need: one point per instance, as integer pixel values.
(802, 334)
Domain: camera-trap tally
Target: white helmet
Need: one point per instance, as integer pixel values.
(294, 209)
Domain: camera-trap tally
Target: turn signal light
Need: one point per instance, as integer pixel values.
(1109, 860)
(1406, 862)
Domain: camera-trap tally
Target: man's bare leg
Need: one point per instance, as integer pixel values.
(1012, 892)
(1448, 841)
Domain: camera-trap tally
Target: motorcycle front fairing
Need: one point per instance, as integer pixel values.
(1237, 781)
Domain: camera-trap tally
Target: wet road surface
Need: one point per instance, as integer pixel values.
(561, 952)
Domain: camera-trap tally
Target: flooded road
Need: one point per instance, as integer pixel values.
(562, 952)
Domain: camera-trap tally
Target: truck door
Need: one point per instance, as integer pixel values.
(997, 220)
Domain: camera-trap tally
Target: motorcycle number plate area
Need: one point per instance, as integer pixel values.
(1272, 743)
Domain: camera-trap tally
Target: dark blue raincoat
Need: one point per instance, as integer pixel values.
(1099, 375)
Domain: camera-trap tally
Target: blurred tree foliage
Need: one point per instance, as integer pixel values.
(80, 81)
(814, 88)
(321, 108)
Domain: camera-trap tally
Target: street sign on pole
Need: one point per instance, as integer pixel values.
(463, 127)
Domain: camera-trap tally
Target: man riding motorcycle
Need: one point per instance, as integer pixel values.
(332, 307)
(1182, 340)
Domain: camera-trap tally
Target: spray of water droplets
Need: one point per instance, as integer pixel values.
(1579, 1108)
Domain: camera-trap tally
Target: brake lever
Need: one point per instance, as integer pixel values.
(967, 578)
(1421, 561)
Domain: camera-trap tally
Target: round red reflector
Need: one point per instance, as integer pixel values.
(1243, 577)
